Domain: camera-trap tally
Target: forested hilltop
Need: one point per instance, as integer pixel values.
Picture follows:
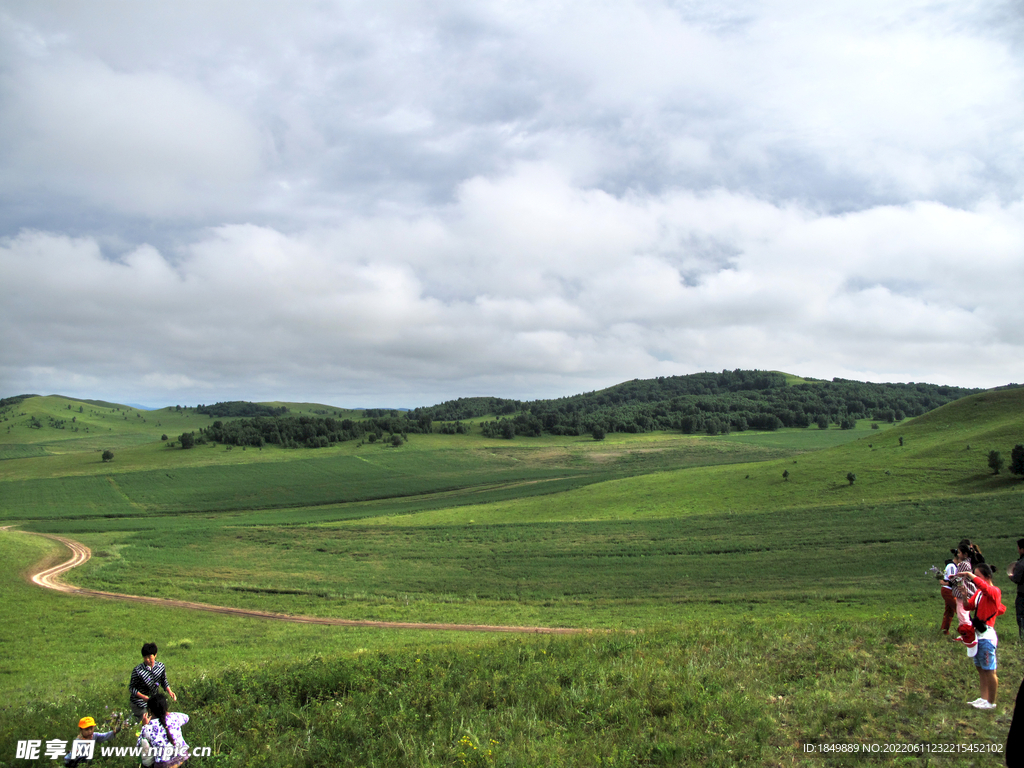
(711, 403)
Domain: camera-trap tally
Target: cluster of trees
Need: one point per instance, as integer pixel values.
(996, 462)
(453, 428)
(9, 401)
(457, 410)
(300, 431)
(712, 403)
(238, 408)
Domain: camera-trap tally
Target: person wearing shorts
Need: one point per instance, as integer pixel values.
(987, 604)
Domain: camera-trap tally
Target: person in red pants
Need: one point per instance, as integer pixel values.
(948, 598)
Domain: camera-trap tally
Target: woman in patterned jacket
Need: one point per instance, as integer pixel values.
(162, 729)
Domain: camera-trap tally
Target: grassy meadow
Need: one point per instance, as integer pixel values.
(735, 615)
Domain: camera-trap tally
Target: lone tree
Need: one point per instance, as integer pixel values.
(187, 440)
(108, 455)
(785, 475)
(851, 477)
(1017, 459)
(597, 433)
(995, 461)
(396, 440)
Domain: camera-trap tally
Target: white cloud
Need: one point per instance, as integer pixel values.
(141, 142)
(348, 202)
(327, 310)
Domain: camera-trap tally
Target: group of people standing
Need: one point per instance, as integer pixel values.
(966, 585)
(160, 740)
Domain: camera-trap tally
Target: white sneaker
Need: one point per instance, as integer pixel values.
(977, 701)
(984, 705)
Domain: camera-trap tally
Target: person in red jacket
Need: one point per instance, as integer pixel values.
(987, 604)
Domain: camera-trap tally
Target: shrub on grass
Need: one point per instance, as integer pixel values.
(995, 461)
(1017, 460)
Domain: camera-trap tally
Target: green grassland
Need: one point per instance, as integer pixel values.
(709, 691)
(749, 613)
(73, 434)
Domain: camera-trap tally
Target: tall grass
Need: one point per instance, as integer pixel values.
(710, 693)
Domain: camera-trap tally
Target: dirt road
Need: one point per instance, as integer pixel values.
(49, 578)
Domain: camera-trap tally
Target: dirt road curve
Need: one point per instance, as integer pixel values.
(50, 579)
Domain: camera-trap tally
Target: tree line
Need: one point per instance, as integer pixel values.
(300, 431)
(711, 403)
(707, 403)
(238, 408)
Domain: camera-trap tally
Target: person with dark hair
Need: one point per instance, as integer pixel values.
(987, 605)
(962, 588)
(147, 679)
(162, 730)
(1015, 571)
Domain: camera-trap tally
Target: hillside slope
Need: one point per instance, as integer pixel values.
(944, 454)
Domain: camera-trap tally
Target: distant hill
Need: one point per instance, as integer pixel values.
(708, 403)
(712, 403)
(9, 401)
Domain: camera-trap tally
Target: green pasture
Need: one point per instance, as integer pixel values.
(134, 436)
(60, 427)
(93, 643)
(67, 424)
(749, 612)
(575, 532)
(155, 479)
(331, 480)
(623, 573)
(944, 454)
(712, 690)
(810, 438)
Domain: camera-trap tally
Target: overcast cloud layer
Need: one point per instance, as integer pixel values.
(399, 203)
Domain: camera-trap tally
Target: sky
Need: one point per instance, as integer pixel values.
(394, 204)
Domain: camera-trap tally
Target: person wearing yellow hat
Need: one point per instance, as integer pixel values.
(87, 732)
